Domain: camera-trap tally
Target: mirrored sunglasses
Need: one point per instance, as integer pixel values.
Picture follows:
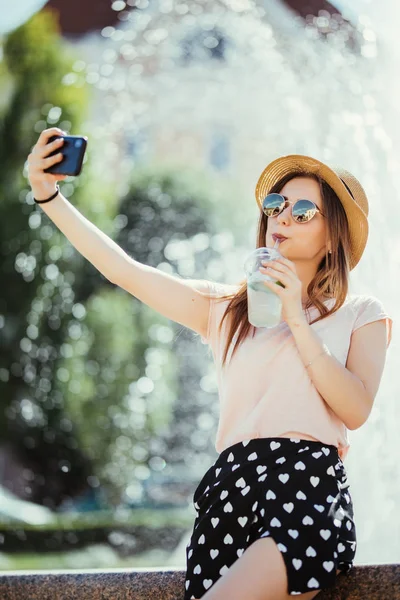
(302, 210)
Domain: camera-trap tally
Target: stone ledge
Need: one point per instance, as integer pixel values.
(366, 582)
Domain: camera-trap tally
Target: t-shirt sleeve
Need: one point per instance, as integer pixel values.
(371, 310)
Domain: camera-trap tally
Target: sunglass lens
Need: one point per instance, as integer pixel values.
(273, 204)
(303, 211)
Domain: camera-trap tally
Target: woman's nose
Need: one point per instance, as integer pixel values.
(284, 216)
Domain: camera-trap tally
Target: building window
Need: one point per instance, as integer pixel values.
(204, 45)
(219, 151)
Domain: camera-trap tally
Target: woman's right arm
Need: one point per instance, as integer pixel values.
(181, 300)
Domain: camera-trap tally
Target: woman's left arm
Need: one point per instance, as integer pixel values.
(349, 390)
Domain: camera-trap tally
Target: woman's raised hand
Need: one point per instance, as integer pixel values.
(44, 184)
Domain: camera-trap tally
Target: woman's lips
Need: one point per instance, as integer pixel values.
(277, 237)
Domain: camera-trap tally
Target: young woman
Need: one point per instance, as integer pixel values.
(274, 512)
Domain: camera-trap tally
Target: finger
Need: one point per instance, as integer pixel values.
(45, 163)
(44, 151)
(277, 266)
(275, 287)
(279, 269)
(288, 263)
(47, 134)
(283, 277)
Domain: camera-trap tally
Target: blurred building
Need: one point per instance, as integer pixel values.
(77, 18)
(129, 53)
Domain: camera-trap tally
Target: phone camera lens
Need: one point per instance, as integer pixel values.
(78, 143)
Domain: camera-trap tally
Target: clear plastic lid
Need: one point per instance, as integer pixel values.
(253, 261)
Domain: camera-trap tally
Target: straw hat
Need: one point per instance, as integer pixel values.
(344, 184)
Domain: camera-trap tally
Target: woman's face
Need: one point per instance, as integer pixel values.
(305, 241)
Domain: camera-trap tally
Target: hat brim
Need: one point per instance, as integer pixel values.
(303, 165)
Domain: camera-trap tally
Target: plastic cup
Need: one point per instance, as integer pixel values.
(264, 306)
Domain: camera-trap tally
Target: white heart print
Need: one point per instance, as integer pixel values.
(284, 477)
(217, 472)
(245, 491)
(325, 533)
(252, 456)
(228, 539)
(242, 521)
(280, 460)
(214, 553)
(275, 445)
(275, 522)
(197, 570)
(326, 451)
(223, 570)
(300, 466)
(224, 494)
(297, 562)
(262, 477)
(301, 495)
(307, 520)
(228, 507)
(207, 583)
(260, 469)
(337, 523)
(235, 467)
(187, 583)
(314, 481)
(282, 547)
(214, 521)
(319, 507)
(313, 583)
(240, 552)
(310, 551)
(202, 539)
(293, 533)
(328, 565)
(316, 454)
(240, 483)
(230, 457)
(288, 507)
(270, 495)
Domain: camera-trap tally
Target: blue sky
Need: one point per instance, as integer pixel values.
(15, 13)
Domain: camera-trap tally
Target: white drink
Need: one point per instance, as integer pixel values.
(264, 306)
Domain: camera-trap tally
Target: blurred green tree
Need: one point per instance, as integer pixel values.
(91, 380)
(136, 373)
(35, 296)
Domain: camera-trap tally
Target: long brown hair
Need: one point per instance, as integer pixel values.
(330, 281)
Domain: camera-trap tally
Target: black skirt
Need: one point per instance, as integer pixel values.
(292, 490)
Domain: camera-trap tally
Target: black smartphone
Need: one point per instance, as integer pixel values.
(73, 151)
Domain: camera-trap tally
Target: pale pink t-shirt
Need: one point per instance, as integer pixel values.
(265, 391)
